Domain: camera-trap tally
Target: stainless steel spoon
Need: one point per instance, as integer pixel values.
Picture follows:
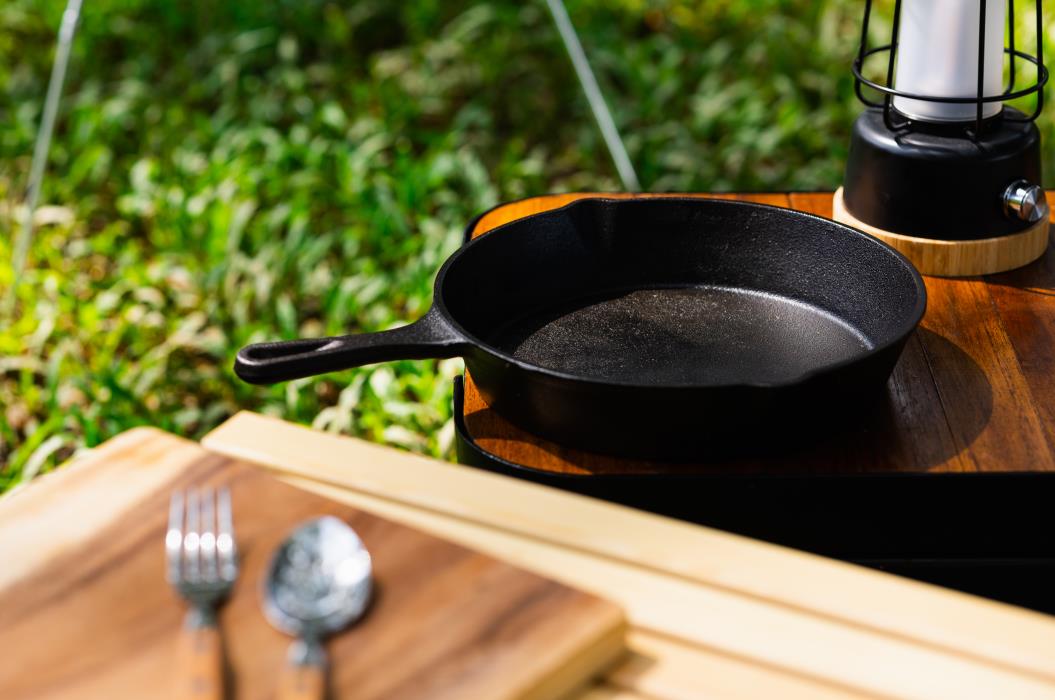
(319, 581)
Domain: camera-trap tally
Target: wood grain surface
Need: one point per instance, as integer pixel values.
(974, 390)
(98, 620)
(712, 615)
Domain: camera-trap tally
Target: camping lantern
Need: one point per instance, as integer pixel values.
(940, 168)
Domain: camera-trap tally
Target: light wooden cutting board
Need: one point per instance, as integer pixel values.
(447, 622)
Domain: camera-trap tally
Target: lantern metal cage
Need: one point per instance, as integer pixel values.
(896, 121)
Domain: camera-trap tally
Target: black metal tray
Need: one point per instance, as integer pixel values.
(989, 534)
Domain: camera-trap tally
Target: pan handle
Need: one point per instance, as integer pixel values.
(428, 337)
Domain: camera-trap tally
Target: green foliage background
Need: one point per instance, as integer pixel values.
(229, 172)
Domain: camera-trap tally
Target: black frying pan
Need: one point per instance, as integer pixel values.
(653, 327)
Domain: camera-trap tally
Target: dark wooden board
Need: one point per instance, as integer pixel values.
(973, 392)
(447, 622)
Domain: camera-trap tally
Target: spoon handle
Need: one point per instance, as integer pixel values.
(302, 682)
(304, 675)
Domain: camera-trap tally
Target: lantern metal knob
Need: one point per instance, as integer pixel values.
(1025, 202)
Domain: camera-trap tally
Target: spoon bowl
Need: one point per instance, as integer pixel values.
(319, 582)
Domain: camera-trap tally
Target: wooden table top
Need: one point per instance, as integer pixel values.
(445, 622)
(974, 390)
(712, 615)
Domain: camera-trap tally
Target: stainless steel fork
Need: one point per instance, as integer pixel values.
(202, 565)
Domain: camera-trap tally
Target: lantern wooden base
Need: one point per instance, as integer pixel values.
(957, 258)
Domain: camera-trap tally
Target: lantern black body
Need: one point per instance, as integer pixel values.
(945, 180)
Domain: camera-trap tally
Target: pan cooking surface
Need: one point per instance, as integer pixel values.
(678, 336)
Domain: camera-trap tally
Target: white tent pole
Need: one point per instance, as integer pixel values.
(593, 95)
(40, 150)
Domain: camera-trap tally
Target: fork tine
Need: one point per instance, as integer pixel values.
(191, 538)
(208, 534)
(225, 545)
(174, 537)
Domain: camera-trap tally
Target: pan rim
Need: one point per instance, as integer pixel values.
(909, 323)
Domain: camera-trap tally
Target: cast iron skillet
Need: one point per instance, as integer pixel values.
(653, 327)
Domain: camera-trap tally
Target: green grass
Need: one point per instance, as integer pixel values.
(225, 173)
